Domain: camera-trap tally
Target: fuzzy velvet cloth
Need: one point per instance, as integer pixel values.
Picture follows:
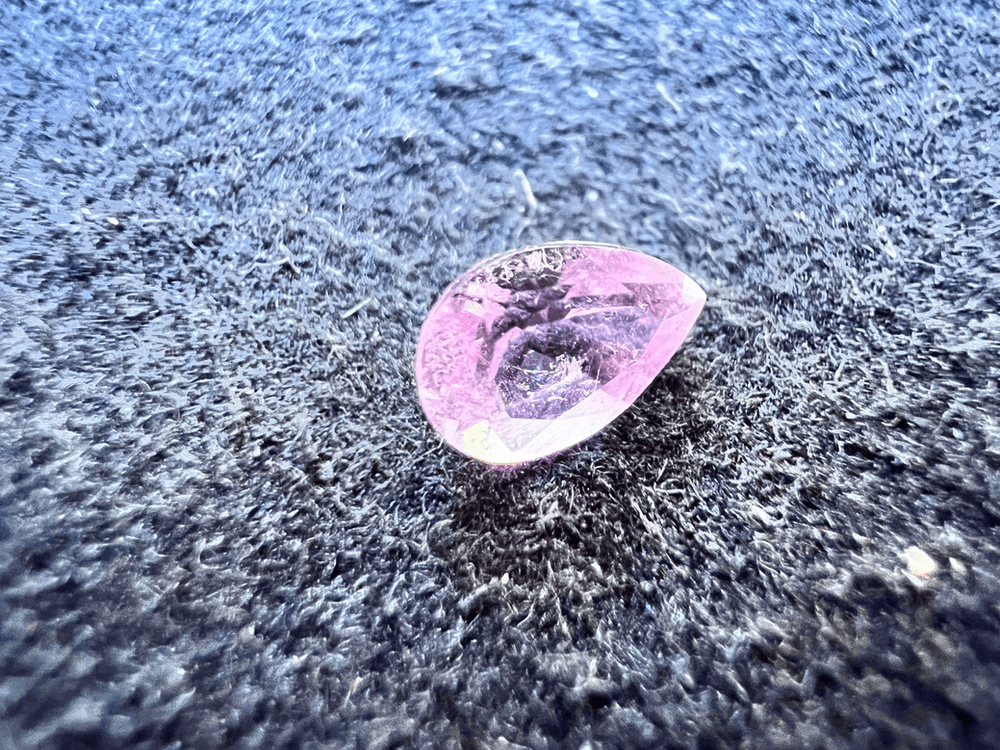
(224, 520)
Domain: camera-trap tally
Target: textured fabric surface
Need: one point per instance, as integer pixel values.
(224, 521)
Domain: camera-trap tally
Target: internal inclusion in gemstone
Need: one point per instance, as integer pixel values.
(528, 353)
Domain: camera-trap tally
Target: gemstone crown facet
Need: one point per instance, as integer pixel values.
(530, 352)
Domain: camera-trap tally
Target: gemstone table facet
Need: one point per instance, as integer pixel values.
(530, 352)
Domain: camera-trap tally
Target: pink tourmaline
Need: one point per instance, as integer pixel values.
(530, 352)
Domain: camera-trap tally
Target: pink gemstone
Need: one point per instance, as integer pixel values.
(530, 352)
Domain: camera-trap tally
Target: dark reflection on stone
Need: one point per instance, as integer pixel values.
(551, 367)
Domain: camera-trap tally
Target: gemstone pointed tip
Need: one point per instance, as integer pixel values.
(692, 294)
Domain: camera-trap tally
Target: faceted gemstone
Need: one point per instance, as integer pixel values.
(530, 352)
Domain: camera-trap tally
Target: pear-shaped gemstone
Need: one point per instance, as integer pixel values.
(530, 352)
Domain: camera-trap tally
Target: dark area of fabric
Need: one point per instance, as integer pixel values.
(224, 521)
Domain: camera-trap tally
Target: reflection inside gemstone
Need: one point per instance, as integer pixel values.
(550, 367)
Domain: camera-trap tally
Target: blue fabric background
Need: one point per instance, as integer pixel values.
(224, 521)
